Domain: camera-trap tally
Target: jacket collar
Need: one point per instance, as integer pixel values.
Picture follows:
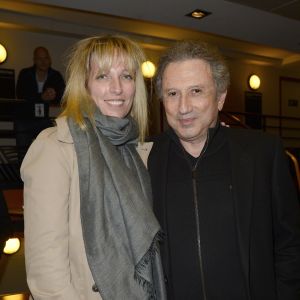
(63, 131)
(211, 134)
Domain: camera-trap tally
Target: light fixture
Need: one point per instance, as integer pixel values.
(148, 69)
(11, 246)
(198, 14)
(3, 54)
(254, 82)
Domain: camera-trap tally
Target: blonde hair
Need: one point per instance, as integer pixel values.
(77, 101)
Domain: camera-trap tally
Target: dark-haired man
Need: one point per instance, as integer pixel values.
(224, 197)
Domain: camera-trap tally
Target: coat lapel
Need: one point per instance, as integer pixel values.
(242, 187)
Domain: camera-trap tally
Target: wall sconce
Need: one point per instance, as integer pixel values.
(12, 245)
(148, 69)
(3, 54)
(254, 82)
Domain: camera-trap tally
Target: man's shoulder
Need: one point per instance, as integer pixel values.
(159, 138)
(55, 72)
(250, 134)
(252, 139)
(159, 149)
(28, 70)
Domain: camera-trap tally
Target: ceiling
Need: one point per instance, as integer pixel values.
(261, 31)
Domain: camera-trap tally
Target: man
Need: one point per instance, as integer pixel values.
(224, 196)
(40, 83)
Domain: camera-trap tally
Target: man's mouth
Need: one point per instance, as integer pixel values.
(186, 121)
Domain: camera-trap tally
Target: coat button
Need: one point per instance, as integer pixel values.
(94, 288)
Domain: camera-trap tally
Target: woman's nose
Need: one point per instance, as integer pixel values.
(116, 86)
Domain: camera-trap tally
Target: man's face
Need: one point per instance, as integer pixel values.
(42, 60)
(190, 99)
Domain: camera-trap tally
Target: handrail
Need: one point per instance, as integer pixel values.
(235, 119)
(282, 126)
(296, 166)
(290, 155)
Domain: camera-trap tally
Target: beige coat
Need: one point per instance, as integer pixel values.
(55, 257)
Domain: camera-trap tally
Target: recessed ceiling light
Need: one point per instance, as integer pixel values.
(198, 14)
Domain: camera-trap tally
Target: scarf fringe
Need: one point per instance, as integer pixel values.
(142, 264)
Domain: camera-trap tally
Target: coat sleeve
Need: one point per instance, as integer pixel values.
(46, 173)
(286, 229)
(21, 87)
(56, 81)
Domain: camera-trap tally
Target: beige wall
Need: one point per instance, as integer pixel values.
(20, 45)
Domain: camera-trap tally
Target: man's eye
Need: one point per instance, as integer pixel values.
(171, 93)
(196, 91)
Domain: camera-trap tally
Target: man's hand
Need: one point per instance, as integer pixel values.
(49, 94)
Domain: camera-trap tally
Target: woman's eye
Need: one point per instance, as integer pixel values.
(101, 76)
(128, 76)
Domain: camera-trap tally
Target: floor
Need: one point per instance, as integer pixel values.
(23, 296)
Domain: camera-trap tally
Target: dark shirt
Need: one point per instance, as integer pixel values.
(27, 87)
(218, 237)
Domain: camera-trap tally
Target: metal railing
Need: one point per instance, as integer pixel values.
(233, 120)
(285, 127)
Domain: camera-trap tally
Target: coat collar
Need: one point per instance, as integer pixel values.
(64, 136)
(63, 131)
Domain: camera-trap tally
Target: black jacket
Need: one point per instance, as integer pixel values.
(27, 85)
(266, 207)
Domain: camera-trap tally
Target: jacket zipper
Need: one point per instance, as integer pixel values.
(197, 218)
(198, 233)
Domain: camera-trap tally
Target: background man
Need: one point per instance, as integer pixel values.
(224, 196)
(40, 82)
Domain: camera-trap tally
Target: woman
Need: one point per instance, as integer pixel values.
(89, 228)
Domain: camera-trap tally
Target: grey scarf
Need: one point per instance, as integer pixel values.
(119, 228)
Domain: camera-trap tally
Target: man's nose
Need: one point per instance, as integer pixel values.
(184, 104)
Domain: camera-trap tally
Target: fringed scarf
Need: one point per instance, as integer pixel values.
(119, 228)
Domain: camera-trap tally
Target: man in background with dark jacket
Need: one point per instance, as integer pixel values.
(40, 83)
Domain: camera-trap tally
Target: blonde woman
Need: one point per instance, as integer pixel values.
(89, 228)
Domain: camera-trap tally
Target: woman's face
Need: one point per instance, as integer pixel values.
(112, 90)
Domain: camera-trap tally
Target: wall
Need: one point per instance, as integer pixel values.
(269, 86)
(20, 46)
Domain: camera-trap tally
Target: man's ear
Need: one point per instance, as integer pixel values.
(221, 100)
